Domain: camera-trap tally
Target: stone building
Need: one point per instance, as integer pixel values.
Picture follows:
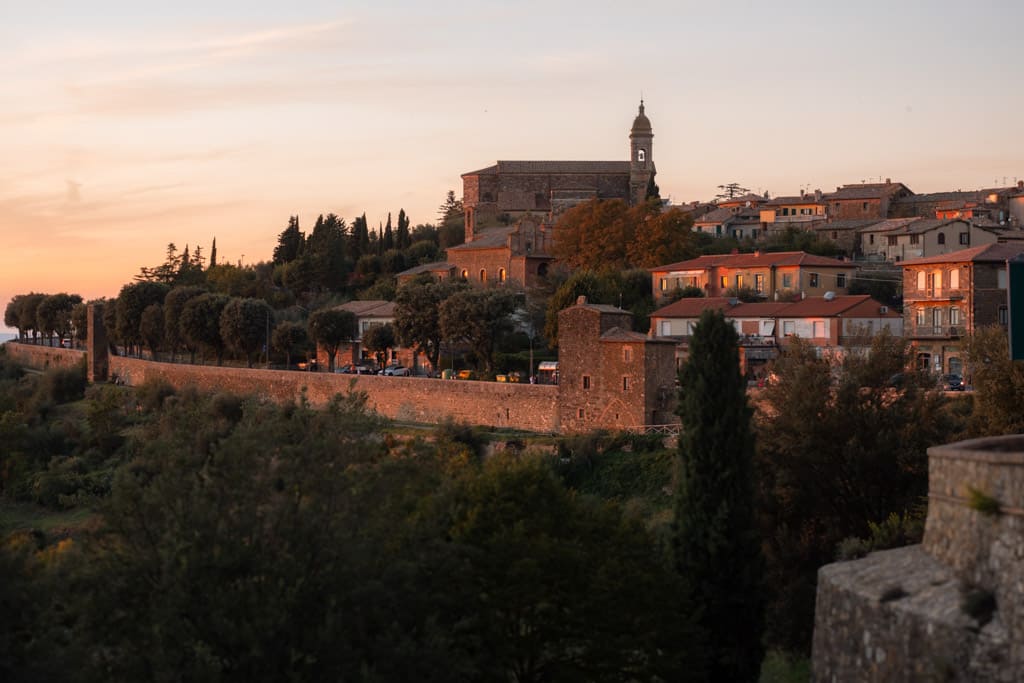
(946, 298)
(512, 189)
(519, 253)
(866, 200)
(609, 376)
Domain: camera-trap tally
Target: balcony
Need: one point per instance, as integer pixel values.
(935, 331)
(935, 294)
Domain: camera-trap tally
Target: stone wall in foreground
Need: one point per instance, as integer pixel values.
(950, 609)
(44, 357)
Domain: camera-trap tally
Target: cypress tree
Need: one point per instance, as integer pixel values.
(715, 541)
(213, 253)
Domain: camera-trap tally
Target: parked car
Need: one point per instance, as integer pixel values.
(356, 369)
(395, 371)
(952, 383)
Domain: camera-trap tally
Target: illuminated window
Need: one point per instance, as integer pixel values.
(663, 284)
(641, 155)
(465, 274)
(502, 275)
(954, 278)
(725, 282)
(483, 275)
(759, 284)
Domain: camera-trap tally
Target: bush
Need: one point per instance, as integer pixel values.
(61, 385)
(152, 392)
(896, 531)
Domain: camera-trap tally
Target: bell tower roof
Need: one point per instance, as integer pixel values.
(641, 124)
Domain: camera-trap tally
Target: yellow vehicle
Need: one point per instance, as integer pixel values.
(466, 374)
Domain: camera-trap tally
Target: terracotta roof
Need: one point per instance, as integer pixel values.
(849, 224)
(958, 195)
(490, 238)
(923, 225)
(749, 197)
(371, 308)
(989, 253)
(436, 267)
(820, 307)
(617, 334)
(757, 309)
(691, 307)
(806, 199)
(865, 191)
(777, 258)
(888, 224)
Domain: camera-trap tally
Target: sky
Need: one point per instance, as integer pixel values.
(126, 126)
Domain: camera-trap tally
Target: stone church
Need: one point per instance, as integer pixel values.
(510, 209)
(509, 190)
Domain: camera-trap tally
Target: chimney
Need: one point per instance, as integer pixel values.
(817, 195)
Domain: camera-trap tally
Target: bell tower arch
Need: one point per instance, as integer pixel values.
(641, 156)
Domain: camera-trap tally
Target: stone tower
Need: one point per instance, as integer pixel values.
(641, 156)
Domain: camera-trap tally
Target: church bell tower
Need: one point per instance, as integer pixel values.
(641, 156)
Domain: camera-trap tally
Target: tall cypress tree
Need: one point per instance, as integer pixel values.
(715, 541)
(402, 237)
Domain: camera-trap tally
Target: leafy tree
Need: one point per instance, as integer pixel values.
(842, 443)
(131, 302)
(330, 328)
(998, 383)
(393, 261)
(12, 314)
(80, 321)
(688, 292)
(359, 240)
(53, 315)
(594, 235)
(288, 338)
(477, 316)
(289, 242)
(661, 236)
(151, 328)
(716, 543)
(795, 239)
(168, 271)
(417, 306)
(27, 318)
(378, 339)
(234, 280)
(200, 323)
(245, 326)
(653, 191)
(110, 325)
(421, 251)
(629, 289)
(881, 286)
(174, 304)
(327, 253)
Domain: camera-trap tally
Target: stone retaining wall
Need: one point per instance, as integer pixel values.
(44, 357)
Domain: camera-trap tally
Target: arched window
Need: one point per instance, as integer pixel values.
(465, 274)
(502, 276)
(641, 155)
(483, 275)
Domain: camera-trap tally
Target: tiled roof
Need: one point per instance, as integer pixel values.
(923, 225)
(820, 307)
(849, 224)
(958, 195)
(989, 253)
(784, 201)
(617, 334)
(490, 238)
(563, 167)
(372, 308)
(888, 224)
(777, 258)
(691, 307)
(436, 267)
(865, 191)
(749, 197)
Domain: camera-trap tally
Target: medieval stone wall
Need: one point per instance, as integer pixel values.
(950, 609)
(44, 357)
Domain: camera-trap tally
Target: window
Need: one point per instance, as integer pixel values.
(813, 280)
(663, 284)
(788, 328)
(835, 234)
(465, 274)
(841, 280)
(863, 205)
(759, 284)
(819, 329)
(725, 282)
(586, 381)
(915, 239)
(954, 316)
(954, 278)
(666, 328)
(1001, 278)
(929, 280)
(787, 280)
(965, 238)
(936, 317)
(640, 155)
(627, 354)
(942, 238)
(502, 275)
(740, 281)
(891, 240)
(1003, 316)
(871, 239)
(483, 275)
(920, 318)
(718, 231)
(920, 279)
(579, 413)
(625, 383)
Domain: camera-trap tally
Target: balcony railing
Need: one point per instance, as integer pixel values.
(936, 331)
(933, 293)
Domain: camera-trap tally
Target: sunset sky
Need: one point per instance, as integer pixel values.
(128, 125)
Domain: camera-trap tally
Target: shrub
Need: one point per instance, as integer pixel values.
(152, 392)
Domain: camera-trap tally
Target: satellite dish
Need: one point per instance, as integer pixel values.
(829, 296)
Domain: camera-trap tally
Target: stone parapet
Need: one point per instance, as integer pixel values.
(950, 609)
